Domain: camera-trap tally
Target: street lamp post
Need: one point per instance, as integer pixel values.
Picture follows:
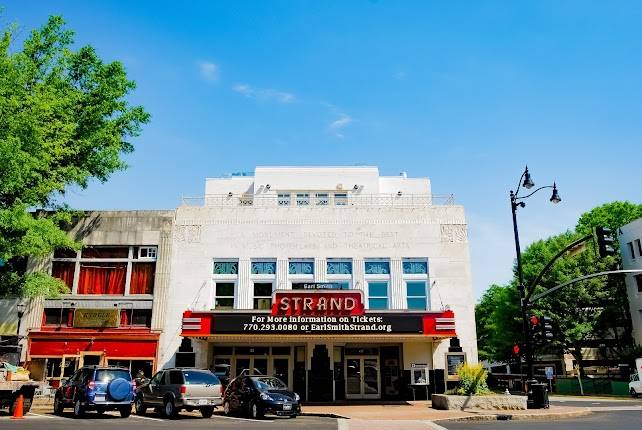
(516, 201)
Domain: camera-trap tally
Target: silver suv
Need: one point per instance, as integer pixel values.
(172, 390)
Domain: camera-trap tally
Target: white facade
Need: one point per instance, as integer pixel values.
(316, 215)
(630, 237)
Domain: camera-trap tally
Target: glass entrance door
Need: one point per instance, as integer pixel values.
(363, 379)
(251, 365)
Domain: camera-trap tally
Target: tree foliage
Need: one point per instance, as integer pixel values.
(64, 120)
(592, 309)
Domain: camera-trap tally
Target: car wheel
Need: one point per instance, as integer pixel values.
(207, 412)
(634, 394)
(255, 411)
(170, 410)
(292, 416)
(79, 410)
(140, 406)
(125, 412)
(226, 408)
(58, 406)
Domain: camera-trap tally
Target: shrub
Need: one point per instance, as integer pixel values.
(472, 380)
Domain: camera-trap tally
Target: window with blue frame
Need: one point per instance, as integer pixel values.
(263, 267)
(339, 267)
(417, 295)
(301, 267)
(377, 268)
(226, 267)
(378, 295)
(412, 267)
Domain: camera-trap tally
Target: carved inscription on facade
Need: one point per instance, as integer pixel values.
(188, 233)
(454, 233)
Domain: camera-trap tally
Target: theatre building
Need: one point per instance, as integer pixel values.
(343, 283)
(114, 312)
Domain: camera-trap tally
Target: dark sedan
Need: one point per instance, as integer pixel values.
(258, 396)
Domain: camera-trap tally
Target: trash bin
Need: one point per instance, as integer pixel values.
(538, 396)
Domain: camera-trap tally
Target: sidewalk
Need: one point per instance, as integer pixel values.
(422, 411)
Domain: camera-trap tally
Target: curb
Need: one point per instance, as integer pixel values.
(323, 415)
(520, 417)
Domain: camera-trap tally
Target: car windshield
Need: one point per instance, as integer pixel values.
(221, 370)
(267, 383)
(108, 375)
(195, 377)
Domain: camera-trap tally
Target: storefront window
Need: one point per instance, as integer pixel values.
(142, 280)
(58, 317)
(377, 267)
(339, 267)
(263, 267)
(226, 267)
(102, 278)
(102, 270)
(377, 295)
(262, 295)
(64, 271)
(284, 199)
(224, 295)
(416, 295)
(415, 267)
(301, 268)
(303, 199)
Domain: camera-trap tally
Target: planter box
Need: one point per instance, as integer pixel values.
(494, 402)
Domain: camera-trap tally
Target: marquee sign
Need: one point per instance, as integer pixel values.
(319, 303)
(439, 324)
(96, 318)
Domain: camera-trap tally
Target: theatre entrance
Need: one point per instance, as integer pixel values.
(362, 373)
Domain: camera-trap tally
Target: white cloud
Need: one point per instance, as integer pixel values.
(269, 94)
(208, 70)
(339, 124)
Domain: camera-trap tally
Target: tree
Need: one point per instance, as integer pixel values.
(592, 309)
(64, 120)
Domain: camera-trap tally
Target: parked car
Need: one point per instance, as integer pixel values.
(223, 372)
(258, 395)
(96, 388)
(635, 386)
(172, 390)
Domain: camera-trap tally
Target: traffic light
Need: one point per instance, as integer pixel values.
(541, 328)
(534, 326)
(546, 328)
(604, 241)
(516, 350)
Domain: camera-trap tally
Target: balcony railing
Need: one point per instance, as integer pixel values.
(325, 200)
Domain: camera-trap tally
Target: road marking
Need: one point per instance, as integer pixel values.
(242, 419)
(596, 403)
(434, 425)
(342, 424)
(146, 418)
(43, 416)
(615, 408)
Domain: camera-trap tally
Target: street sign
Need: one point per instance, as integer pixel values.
(549, 372)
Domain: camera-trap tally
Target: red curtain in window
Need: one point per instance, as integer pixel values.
(64, 271)
(102, 278)
(142, 278)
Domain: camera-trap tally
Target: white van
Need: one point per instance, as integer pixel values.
(635, 386)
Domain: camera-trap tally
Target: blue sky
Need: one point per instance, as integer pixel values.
(464, 92)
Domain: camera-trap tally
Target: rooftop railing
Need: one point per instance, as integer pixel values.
(321, 200)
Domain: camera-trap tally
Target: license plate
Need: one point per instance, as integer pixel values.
(202, 401)
(287, 407)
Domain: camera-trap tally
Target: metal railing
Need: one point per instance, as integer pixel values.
(294, 201)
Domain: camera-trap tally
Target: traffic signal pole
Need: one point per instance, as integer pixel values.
(522, 290)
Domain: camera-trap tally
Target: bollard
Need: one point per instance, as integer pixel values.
(18, 412)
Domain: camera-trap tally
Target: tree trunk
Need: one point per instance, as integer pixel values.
(577, 354)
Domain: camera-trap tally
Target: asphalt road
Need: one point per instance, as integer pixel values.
(615, 420)
(112, 421)
(594, 402)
